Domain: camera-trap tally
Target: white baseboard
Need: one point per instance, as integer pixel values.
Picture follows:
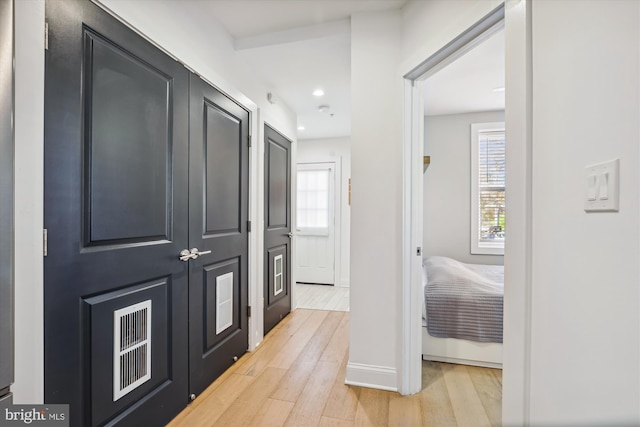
(371, 376)
(459, 361)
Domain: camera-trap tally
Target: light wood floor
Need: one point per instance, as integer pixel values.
(296, 378)
(322, 297)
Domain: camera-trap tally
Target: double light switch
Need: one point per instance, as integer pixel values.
(602, 190)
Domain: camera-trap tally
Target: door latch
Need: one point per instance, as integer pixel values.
(186, 254)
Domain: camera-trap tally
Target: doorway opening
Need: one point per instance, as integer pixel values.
(413, 211)
(464, 225)
(517, 303)
(322, 226)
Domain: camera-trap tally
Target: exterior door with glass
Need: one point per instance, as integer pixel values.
(315, 227)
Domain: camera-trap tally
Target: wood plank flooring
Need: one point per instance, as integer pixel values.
(322, 297)
(296, 378)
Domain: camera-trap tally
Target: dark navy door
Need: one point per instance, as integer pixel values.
(218, 228)
(116, 210)
(277, 236)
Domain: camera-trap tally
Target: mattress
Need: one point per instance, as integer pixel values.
(463, 301)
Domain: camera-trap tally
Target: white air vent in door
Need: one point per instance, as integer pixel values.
(277, 275)
(131, 348)
(224, 302)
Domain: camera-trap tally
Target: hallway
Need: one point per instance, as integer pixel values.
(296, 378)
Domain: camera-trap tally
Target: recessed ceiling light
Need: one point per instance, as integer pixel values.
(323, 108)
(300, 127)
(318, 92)
(499, 89)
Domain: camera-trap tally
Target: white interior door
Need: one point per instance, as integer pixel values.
(315, 226)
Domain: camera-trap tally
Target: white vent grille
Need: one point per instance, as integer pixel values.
(278, 284)
(131, 348)
(224, 302)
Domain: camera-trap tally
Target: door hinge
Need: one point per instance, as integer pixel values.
(249, 140)
(248, 311)
(419, 251)
(249, 226)
(45, 242)
(46, 36)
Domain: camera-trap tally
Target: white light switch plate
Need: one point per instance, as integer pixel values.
(602, 187)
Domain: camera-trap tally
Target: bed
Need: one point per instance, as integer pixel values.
(462, 312)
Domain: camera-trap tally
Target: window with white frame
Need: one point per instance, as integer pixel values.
(488, 230)
(313, 199)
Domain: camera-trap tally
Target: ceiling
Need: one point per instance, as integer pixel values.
(245, 18)
(468, 83)
(298, 46)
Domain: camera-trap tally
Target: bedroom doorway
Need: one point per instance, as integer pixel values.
(430, 89)
(464, 228)
(516, 19)
(464, 224)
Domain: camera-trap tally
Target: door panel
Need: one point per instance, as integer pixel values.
(99, 312)
(315, 260)
(278, 185)
(277, 281)
(116, 188)
(123, 92)
(315, 228)
(223, 151)
(277, 272)
(218, 283)
(131, 202)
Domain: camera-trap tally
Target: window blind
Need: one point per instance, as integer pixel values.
(491, 183)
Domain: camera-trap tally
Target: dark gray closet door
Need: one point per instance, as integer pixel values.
(277, 235)
(116, 189)
(218, 214)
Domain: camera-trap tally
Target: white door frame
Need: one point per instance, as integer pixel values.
(335, 209)
(515, 16)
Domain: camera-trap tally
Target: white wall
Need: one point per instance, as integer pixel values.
(335, 150)
(585, 348)
(180, 29)
(428, 25)
(585, 323)
(385, 46)
(376, 198)
(29, 128)
(447, 186)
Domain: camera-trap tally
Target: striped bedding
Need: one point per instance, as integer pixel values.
(463, 301)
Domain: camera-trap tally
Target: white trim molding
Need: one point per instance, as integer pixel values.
(410, 366)
(516, 373)
(28, 387)
(371, 376)
(256, 236)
